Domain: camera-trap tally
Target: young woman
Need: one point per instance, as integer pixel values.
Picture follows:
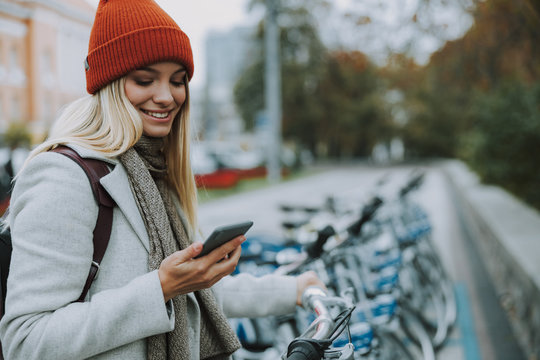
(152, 299)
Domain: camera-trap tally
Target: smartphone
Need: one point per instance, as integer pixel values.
(222, 234)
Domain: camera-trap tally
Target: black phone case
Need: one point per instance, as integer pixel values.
(222, 234)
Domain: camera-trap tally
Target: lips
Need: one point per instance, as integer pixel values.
(158, 115)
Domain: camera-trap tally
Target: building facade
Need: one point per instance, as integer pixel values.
(227, 55)
(43, 44)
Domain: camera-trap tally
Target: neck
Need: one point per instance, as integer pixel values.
(150, 149)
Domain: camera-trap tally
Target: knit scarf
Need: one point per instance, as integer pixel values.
(146, 169)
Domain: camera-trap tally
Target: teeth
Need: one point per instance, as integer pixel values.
(157, 115)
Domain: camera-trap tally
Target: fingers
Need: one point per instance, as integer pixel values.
(182, 256)
(180, 273)
(195, 249)
(305, 280)
(224, 250)
(227, 265)
(222, 261)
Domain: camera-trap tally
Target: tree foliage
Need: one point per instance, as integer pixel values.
(17, 135)
(301, 55)
(329, 99)
(355, 118)
(482, 91)
(505, 137)
(477, 98)
(502, 44)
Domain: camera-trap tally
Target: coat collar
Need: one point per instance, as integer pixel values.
(117, 185)
(92, 154)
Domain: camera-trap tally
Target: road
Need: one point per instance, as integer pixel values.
(481, 332)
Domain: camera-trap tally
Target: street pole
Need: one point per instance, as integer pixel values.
(273, 90)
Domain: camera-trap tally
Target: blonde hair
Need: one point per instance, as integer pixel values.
(108, 123)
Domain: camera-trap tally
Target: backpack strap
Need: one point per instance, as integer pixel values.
(5, 258)
(95, 170)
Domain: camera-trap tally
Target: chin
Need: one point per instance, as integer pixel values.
(157, 132)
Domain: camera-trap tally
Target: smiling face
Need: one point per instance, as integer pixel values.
(158, 92)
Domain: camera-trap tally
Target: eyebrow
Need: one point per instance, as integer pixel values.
(152, 70)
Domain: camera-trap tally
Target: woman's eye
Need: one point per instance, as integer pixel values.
(177, 83)
(143, 82)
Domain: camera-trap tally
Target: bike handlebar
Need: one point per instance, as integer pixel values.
(304, 349)
(315, 249)
(312, 300)
(313, 342)
(368, 211)
(412, 184)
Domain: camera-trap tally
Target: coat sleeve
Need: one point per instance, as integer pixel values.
(52, 218)
(245, 295)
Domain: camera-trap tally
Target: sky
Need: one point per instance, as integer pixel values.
(197, 18)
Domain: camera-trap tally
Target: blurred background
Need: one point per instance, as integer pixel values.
(378, 80)
(284, 89)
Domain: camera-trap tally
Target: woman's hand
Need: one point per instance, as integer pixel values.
(180, 273)
(305, 280)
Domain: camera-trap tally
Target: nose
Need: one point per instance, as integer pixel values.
(163, 94)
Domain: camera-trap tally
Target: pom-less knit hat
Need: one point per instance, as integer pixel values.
(130, 34)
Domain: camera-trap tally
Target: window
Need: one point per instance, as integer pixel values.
(47, 70)
(3, 71)
(46, 61)
(15, 73)
(15, 108)
(3, 121)
(14, 57)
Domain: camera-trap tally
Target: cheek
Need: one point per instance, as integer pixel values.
(131, 96)
(134, 94)
(179, 96)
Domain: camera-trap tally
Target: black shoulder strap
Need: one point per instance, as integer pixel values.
(5, 259)
(95, 170)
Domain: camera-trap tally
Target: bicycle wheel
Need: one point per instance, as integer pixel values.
(431, 262)
(426, 302)
(415, 335)
(438, 286)
(388, 346)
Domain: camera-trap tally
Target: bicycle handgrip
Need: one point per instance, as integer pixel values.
(304, 349)
(412, 184)
(367, 213)
(315, 250)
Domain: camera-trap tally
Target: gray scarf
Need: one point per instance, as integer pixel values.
(146, 169)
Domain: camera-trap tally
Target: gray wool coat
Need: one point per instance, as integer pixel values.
(52, 217)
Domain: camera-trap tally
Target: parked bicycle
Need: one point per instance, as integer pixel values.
(380, 253)
(316, 341)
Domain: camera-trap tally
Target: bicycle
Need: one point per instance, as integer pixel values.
(315, 343)
(371, 251)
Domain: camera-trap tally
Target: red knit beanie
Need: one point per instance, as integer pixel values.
(128, 35)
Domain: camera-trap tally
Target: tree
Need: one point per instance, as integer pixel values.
(330, 100)
(302, 59)
(503, 143)
(17, 135)
(488, 84)
(355, 116)
(502, 44)
(499, 46)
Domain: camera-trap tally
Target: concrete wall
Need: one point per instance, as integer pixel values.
(507, 233)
